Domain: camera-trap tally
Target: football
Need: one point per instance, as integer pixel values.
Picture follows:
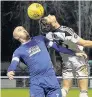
(35, 11)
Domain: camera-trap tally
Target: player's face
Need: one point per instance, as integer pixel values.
(47, 22)
(20, 32)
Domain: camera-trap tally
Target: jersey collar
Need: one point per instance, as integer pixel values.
(26, 42)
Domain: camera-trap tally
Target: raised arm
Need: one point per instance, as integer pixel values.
(85, 43)
(74, 37)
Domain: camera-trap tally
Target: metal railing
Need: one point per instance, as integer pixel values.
(23, 82)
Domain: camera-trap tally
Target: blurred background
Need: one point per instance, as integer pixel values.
(74, 14)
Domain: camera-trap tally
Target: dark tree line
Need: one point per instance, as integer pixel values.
(14, 13)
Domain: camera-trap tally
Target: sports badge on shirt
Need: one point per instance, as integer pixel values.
(34, 50)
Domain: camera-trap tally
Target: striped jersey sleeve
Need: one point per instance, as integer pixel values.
(66, 33)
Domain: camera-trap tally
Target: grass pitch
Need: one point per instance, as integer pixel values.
(25, 93)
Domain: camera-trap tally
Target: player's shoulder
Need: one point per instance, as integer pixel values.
(67, 30)
(38, 37)
(17, 50)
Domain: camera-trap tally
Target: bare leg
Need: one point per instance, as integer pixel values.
(67, 84)
(83, 85)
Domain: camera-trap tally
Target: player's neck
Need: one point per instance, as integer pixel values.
(25, 41)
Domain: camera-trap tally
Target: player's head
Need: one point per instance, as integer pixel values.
(50, 19)
(45, 25)
(20, 33)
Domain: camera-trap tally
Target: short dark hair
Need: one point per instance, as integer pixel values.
(44, 26)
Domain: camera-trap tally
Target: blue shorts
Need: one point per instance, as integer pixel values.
(45, 87)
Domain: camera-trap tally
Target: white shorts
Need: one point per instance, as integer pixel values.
(74, 67)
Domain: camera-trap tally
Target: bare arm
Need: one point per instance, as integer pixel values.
(85, 43)
(75, 38)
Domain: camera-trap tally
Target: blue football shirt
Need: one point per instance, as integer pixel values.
(35, 55)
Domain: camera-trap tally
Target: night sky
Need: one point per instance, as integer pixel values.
(11, 13)
(7, 26)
